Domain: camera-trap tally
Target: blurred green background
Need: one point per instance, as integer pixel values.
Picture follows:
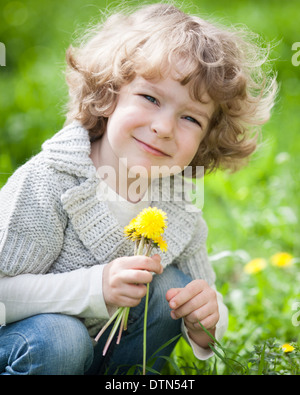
(252, 213)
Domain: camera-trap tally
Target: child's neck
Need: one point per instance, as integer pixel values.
(115, 174)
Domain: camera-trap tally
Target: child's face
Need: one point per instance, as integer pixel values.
(155, 124)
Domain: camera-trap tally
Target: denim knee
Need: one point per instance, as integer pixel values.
(46, 344)
(171, 277)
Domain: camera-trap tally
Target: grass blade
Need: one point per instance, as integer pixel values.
(262, 361)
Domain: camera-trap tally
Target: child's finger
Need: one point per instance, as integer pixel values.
(136, 276)
(141, 262)
(187, 293)
(171, 293)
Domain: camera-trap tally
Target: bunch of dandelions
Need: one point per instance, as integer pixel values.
(145, 231)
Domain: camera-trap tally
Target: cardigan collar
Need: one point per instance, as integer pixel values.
(69, 151)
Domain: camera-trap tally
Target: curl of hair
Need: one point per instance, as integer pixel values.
(159, 39)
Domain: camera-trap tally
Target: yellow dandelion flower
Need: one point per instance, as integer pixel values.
(130, 230)
(151, 222)
(255, 266)
(161, 243)
(287, 347)
(281, 259)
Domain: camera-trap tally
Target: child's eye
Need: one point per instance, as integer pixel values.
(150, 98)
(193, 120)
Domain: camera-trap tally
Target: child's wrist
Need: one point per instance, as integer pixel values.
(196, 329)
(200, 337)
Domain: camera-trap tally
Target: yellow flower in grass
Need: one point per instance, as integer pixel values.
(255, 266)
(287, 347)
(281, 259)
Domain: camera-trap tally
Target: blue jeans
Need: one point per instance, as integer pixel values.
(57, 344)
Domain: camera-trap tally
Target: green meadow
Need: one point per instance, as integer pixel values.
(252, 215)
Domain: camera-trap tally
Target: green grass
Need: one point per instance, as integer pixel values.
(253, 213)
(264, 312)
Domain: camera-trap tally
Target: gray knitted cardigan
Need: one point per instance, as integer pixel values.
(52, 221)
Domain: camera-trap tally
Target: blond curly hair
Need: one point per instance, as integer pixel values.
(157, 39)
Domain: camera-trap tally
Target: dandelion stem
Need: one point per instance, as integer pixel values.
(108, 323)
(121, 326)
(145, 329)
(126, 317)
(141, 246)
(149, 248)
(136, 244)
(112, 333)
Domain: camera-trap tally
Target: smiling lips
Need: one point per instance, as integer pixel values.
(149, 148)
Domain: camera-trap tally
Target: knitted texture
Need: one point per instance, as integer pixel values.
(52, 221)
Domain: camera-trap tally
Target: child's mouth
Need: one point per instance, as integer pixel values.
(149, 148)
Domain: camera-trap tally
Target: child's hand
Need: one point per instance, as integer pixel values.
(197, 301)
(124, 279)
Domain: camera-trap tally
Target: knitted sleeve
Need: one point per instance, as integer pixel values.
(32, 220)
(194, 259)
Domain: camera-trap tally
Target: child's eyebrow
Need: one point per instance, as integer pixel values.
(149, 85)
(198, 112)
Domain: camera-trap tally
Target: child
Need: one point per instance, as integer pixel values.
(156, 89)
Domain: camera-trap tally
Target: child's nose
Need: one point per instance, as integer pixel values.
(164, 125)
